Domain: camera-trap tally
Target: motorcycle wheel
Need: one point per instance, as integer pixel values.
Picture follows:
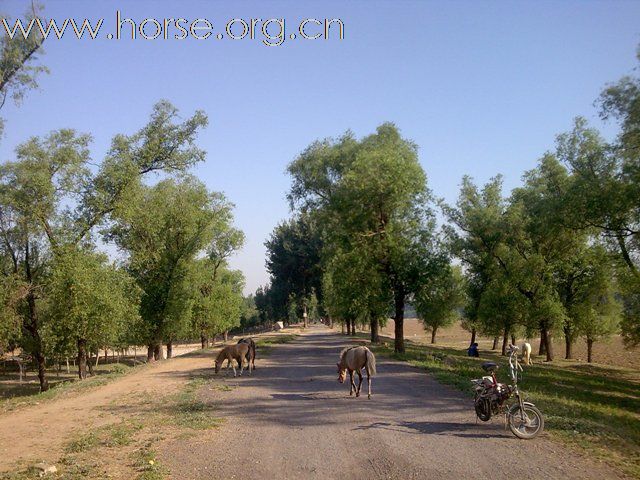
(483, 409)
(525, 424)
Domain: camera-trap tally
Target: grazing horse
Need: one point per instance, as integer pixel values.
(355, 359)
(526, 353)
(233, 352)
(251, 354)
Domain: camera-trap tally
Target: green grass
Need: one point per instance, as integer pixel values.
(275, 340)
(146, 463)
(594, 408)
(188, 411)
(114, 435)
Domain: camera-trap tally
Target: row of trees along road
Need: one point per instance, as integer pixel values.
(59, 295)
(558, 256)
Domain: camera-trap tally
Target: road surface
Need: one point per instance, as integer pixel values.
(293, 420)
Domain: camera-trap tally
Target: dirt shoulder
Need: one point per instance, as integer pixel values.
(42, 431)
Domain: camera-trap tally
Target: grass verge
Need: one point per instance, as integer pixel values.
(594, 408)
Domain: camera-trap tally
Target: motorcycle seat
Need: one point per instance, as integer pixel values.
(489, 366)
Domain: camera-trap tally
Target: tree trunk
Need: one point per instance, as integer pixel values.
(505, 339)
(169, 349)
(513, 339)
(375, 327)
(495, 343)
(106, 356)
(342, 327)
(543, 342)
(90, 365)
(32, 326)
(399, 300)
(82, 359)
(353, 327)
(37, 348)
(434, 330)
(568, 345)
(97, 357)
(589, 350)
(473, 336)
(203, 340)
(157, 351)
(330, 322)
(68, 369)
(549, 346)
(226, 336)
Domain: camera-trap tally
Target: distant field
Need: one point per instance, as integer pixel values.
(609, 352)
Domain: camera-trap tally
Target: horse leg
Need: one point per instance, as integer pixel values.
(369, 384)
(234, 369)
(240, 364)
(352, 385)
(359, 382)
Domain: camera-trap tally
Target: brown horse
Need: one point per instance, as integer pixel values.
(251, 354)
(233, 352)
(355, 359)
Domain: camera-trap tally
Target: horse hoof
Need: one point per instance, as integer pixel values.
(369, 397)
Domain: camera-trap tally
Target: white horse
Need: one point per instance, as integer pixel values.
(354, 359)
(526, 353)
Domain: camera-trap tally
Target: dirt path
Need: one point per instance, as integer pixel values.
(292, 419)
(40, 432)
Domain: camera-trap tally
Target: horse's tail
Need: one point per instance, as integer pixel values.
(371, 362)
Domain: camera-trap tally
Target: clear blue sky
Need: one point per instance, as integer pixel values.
(481, 87)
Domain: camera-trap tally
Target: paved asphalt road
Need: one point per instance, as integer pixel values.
(293, 420)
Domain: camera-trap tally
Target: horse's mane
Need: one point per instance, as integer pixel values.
(346, 349)
(221, 354)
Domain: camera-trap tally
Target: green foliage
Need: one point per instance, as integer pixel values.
(293, 262)
(51, 201)
(90, 299)
(355, 289)
(437, 303)
(18, 63)
(219, 304)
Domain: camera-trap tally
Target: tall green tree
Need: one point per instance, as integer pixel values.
(293, 260)
(162, 230)
(371, 197)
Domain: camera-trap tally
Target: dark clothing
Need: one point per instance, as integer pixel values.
(473, 351)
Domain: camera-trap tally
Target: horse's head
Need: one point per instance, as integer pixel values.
(218, 365)
(342, 373)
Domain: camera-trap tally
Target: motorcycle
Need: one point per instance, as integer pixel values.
(523, 418)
